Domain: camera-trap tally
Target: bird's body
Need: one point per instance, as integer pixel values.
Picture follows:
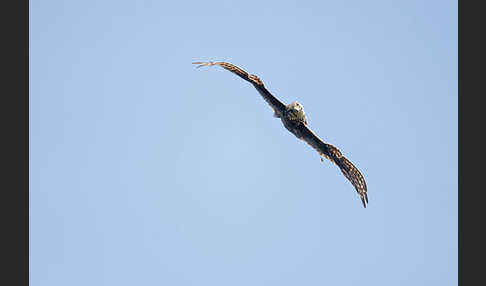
(293, 118)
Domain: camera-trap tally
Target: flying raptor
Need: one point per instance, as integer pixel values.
(293, 118)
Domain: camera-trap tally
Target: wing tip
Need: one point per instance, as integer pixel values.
(203, 64)
(364, 197)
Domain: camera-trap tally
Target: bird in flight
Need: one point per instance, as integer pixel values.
(293, 118)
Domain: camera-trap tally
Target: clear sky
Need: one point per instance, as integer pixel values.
(147, 171)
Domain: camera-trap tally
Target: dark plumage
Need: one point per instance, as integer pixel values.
(293, 118)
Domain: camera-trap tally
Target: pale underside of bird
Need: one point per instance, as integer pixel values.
(293, 118)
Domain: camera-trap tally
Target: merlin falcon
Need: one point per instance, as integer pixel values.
(293, 118)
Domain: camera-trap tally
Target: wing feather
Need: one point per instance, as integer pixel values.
(334, 155)
(303, 132)
(276, 104)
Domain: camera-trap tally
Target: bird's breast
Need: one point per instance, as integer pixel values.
(291, 125)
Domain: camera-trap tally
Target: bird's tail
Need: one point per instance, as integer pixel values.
(204, 64)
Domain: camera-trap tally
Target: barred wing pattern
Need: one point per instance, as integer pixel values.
(276, 104)
(302, 131)
(334, 155)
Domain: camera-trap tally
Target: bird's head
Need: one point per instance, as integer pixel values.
(296, 111)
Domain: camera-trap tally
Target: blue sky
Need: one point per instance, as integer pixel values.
(147, 171)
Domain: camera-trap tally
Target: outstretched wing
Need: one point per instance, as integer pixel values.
(276, 104)
(334, 155)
